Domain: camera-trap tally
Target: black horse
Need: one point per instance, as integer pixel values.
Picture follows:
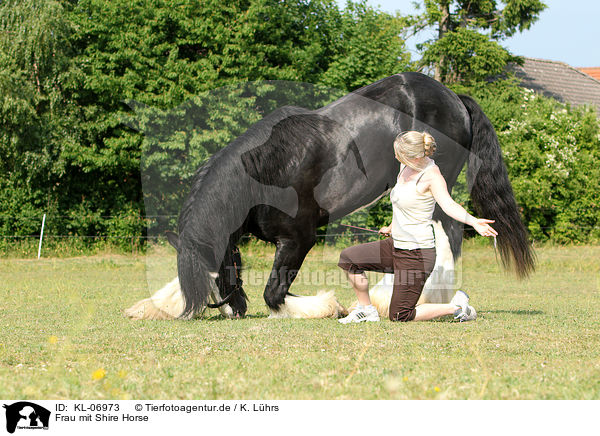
(297, 170)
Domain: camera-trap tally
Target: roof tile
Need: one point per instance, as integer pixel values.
(559, 80)
(591, 71)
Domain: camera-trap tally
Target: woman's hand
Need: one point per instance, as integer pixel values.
(483, 228)
(387, 230)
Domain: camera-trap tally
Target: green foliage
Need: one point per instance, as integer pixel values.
(500, 19)
(466, 47)
(178, 140)
(70, 144)
(99, 99)
(125, 228)
(367, 48)
(34, 52)
(517, 15)
(467, 56)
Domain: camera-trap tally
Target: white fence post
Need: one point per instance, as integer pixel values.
(41, 236)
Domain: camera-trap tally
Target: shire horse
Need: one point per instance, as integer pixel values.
(297, 170)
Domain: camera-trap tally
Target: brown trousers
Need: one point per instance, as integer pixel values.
(410, 267)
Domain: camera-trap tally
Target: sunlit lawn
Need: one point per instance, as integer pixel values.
(61, 321)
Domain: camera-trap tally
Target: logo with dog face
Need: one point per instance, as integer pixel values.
(26, 415)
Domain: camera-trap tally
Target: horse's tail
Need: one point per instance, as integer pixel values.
(492, 194)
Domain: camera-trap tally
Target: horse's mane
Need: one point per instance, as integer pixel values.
(197, 180)
(227, 161)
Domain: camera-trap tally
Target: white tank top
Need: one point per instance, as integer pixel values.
(412, 211)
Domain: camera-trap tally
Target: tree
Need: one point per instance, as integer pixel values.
(460, 52)
(367, 47)
(34, 60)
(466, 55)
(183, 67)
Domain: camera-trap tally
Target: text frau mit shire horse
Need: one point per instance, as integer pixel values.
(297, 170)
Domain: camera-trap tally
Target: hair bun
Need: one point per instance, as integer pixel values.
(429, 145)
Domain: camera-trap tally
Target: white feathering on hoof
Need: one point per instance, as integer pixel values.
(322, 305)
(166, 303)
(439, 287)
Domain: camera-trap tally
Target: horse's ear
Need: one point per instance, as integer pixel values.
(173, 239)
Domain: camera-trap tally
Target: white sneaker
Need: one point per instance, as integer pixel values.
(467, 315)
(460, 299)
(361, 314)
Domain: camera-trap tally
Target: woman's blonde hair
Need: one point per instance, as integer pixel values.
(411, 145)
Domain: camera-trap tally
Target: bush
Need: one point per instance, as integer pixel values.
(124, 229)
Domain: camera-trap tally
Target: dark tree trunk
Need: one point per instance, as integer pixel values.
(444, 27)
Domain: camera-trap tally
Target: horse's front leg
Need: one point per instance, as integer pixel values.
(289, 255)
(288, 258)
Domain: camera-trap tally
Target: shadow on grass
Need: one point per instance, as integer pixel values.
(516, 312)
(219, 317)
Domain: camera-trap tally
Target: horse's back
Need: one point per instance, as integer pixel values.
(422, 103)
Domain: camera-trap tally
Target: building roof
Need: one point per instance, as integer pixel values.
(591, 71)
(559, 80)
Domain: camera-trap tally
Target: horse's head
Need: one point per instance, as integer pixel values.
(201, 279)
(229, 283)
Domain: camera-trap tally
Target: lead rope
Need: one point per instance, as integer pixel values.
(361, 228)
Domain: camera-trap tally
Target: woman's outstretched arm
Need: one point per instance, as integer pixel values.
(439, 189)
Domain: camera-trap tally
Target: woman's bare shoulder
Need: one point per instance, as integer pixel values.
(433, 175)
(433, 172)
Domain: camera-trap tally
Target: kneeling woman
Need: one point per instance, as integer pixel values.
(410, 251)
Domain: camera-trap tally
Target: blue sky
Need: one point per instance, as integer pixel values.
(567, 31)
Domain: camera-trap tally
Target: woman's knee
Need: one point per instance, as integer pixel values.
(402, 315)
(345, 262)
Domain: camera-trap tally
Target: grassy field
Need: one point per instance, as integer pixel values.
(64, 336)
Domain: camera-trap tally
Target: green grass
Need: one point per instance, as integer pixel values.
(61, 320)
